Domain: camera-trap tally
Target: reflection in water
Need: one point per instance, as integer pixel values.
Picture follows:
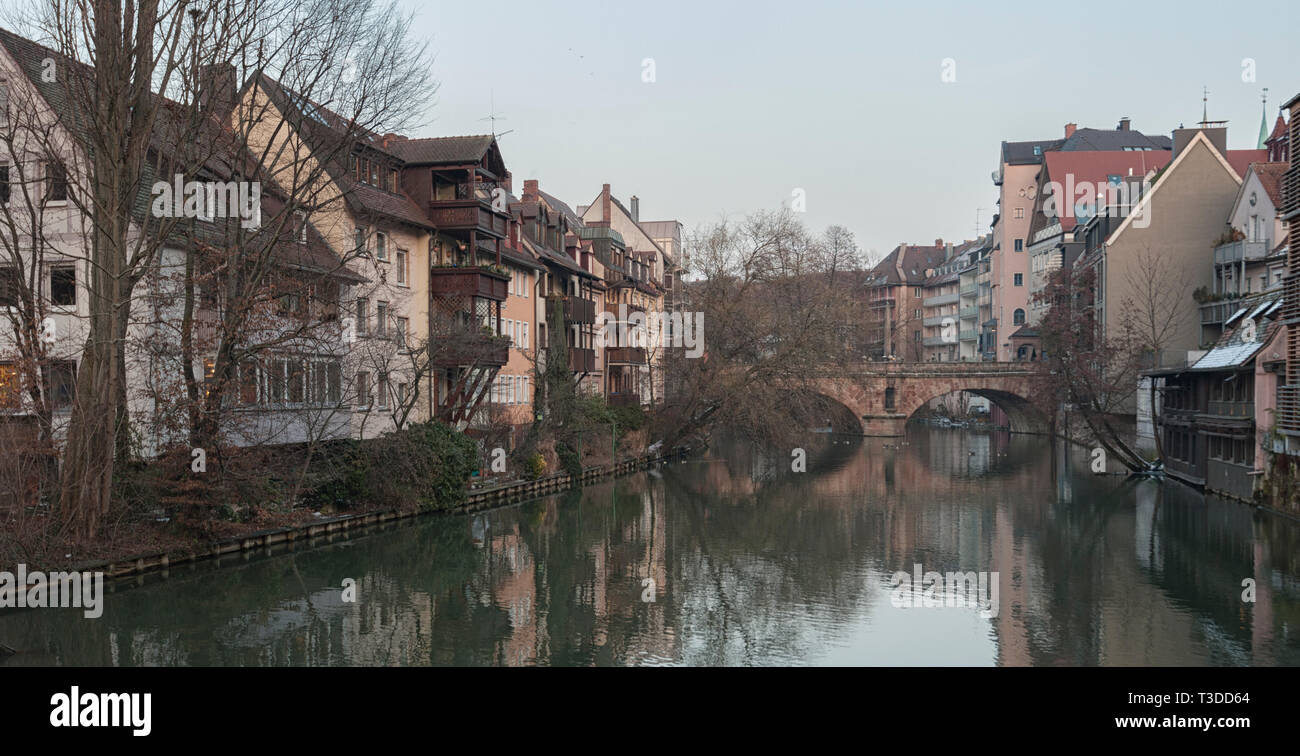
(734, 560)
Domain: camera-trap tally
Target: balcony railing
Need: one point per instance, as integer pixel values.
(625, 356)
(468, 213)
(1214, 313)
(470, 282)
(942, 299)
(470, 348)
(969, 335)
(1231, 409)
(968, 312)
(578, 310)
(1235, 252)
(938, 320)
(582, 360)
(970, 291)
(623, 399)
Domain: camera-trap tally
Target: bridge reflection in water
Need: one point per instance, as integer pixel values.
(751, 564)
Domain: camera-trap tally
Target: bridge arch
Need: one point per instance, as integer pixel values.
(884, 396)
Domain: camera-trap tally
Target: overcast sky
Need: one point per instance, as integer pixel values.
(844, 100)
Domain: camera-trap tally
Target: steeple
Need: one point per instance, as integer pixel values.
(1263, 122)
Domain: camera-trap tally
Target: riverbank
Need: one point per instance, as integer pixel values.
(320, 530)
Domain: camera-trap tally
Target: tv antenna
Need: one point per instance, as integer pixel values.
(493, 116)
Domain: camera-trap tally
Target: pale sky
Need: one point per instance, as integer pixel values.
(844, 100)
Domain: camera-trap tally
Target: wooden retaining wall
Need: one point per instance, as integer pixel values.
(328, 529)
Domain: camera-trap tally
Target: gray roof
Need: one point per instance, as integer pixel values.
(442, 150)
(1102, 140)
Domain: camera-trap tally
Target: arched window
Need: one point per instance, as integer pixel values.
(1018, 318)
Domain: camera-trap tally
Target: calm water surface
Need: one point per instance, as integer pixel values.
(751, 565)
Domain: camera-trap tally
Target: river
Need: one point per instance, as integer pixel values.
(733, 559)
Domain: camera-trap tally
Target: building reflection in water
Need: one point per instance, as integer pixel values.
(732, 559)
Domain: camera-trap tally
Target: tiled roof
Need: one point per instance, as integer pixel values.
(450, 150)
(1270, 176)
(1106, 140)
(1096, 168)
(1240, 160)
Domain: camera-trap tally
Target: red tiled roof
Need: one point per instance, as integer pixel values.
(1096, 168)
(1270, 175)
(1240, 160)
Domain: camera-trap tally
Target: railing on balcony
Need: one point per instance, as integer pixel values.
(469, 347)
(468, 211)
(623, 399)
(625, 356)
(942, 299)
(939, 320)
(1237, 251)
(970, 291)
(968, 312)
(1231, 409)
(469, 281)
(882, 302)
(969, 335)
(582, 360)
(1213, 313)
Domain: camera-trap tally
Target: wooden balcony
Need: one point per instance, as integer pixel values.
(579, 310)
(582, 360)
(469, 282)
(623, 399)
(625, 356)
(470, 349)
(468, 215)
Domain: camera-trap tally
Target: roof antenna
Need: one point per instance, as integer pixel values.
(1205, 106)
(493, 117)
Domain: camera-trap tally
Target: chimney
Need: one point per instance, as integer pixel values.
(938, 242)
(530, 190)
(392, 139)
(1123, 124)
(636, 209)
(217, 87)
(1069, 129)
(604, 203)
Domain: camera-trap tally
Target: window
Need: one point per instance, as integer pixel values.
(276, 380)
(363, 316)
(56, 174)
(10, 396)
(401, 394)
(4, 184)
(4, 104)
(359, 245)
(523, 335)
(1020, 279)
(381, 390)
(297, 382)
(395, 179)
(401, 332)
(381, 320)
(363, 389)
(381, 246)
(916, 291)
(1020, 212)
(1020, 245)
(63, 285)
(401, 267)
(1018, 317)
(248, 383)
(333, 382)
(10, 285)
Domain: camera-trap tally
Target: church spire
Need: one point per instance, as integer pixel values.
(1263, 122)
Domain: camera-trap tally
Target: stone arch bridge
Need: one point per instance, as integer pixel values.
(884, 395)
